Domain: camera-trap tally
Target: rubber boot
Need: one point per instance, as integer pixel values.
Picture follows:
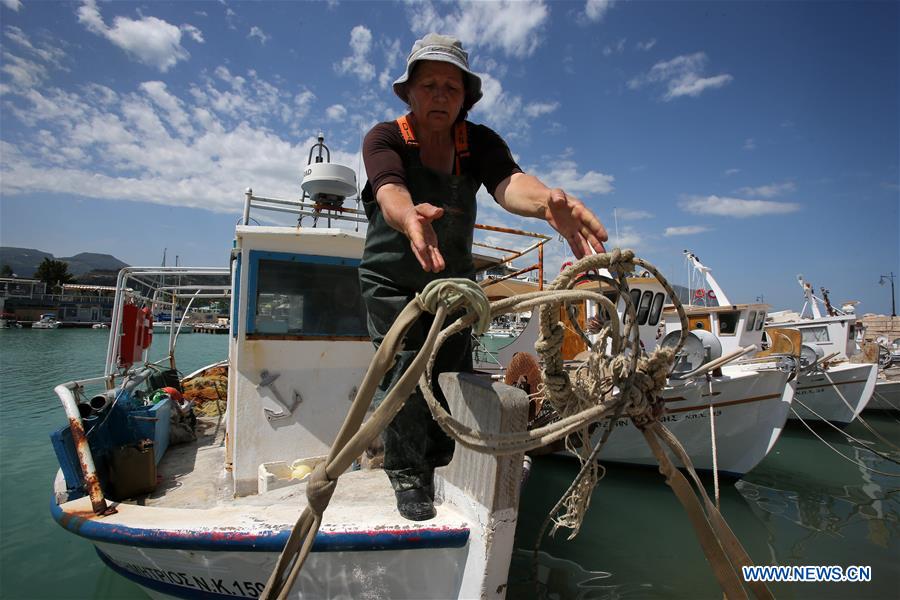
(415, 504)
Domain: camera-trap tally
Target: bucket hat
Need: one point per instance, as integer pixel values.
(443, 48)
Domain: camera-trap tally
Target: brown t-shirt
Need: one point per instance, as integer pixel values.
(490, 161)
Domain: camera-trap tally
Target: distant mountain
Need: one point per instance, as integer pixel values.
(91, 261)
(24, 261)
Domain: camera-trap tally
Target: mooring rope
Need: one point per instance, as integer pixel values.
(861, 446)
(614, 363)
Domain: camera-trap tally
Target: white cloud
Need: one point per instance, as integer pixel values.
(749, 144)
(171, 106)
(13, 5)
(595, 10)
(685, 230)
(682, 76)
(199, 147)
(633, 215)
(392, 57)
(256, 32)
(506, 111)
(732, 171)
(303, 101)
(646, 45)
(617, 48)
(43, 50)
(149, 40)
(195, 33)
(536, 109)
(768, 191)
(24, 73)
(512, 26)
(358, 62)
(336, 112)
(628, 237)
(564, 174)
(735, 207)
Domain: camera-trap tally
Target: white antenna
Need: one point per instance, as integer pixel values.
(616, 221)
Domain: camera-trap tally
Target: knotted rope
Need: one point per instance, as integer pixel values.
(614, 378)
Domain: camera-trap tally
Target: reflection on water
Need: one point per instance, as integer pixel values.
(801, 506)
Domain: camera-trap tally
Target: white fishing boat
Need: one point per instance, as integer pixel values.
(726, 413)
(208, 518)
(887, 390)
(47, 321)
(830, 386)
(727, 416)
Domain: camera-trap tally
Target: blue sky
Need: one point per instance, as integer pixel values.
(761, 136)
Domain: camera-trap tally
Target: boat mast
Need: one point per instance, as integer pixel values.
(810, 298)
(706, 272)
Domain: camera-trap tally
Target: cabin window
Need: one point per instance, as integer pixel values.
(760, 320)
(644, 308)
(308, 296)
(635, 298)
(656, 308)
(728, 322)
(815, 334)
(751, 320)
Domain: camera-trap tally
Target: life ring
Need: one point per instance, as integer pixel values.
(700, 294)
(711, 295)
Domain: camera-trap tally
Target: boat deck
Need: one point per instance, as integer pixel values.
(193, 481)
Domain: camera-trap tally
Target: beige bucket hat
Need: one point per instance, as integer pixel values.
(444, 48)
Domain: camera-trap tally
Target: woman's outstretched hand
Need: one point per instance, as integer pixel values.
(575, 222)
(422, 238)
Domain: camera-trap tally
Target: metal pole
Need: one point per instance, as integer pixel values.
(893, 298)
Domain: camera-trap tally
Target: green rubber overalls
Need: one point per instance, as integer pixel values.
(390, 276)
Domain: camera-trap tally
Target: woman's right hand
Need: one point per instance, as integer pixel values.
(422, 238)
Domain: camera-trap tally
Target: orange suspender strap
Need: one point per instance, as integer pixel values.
(461, 140)
(406, 131)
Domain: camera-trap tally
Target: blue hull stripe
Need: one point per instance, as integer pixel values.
(267, 541)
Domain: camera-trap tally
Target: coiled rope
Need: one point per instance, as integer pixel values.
(615, 379)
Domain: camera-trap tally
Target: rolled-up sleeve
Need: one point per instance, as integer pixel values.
(495, 162)
(381, 155)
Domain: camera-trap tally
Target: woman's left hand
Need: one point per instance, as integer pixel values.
(575, 222)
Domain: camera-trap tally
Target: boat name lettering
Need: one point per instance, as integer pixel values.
(809, 391)
(703, 415)
(251, 589)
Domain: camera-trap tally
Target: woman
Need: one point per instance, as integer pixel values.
(424, 171)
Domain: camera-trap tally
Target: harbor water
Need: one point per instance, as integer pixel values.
(803, 505)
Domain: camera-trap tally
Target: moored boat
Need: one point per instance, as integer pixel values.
(47, 321)
(208, 517)
(830, 386)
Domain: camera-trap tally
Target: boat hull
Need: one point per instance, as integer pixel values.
(749, 407)
(173, 573)
(886, 396)
(837, 395)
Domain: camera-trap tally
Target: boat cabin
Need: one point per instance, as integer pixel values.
(298, 342)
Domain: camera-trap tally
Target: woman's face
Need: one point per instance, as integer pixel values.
(436, 93)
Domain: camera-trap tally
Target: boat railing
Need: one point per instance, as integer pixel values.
(302, 208)
(511, 254)
(153, 287)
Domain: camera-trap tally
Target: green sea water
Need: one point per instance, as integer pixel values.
(803, 505)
